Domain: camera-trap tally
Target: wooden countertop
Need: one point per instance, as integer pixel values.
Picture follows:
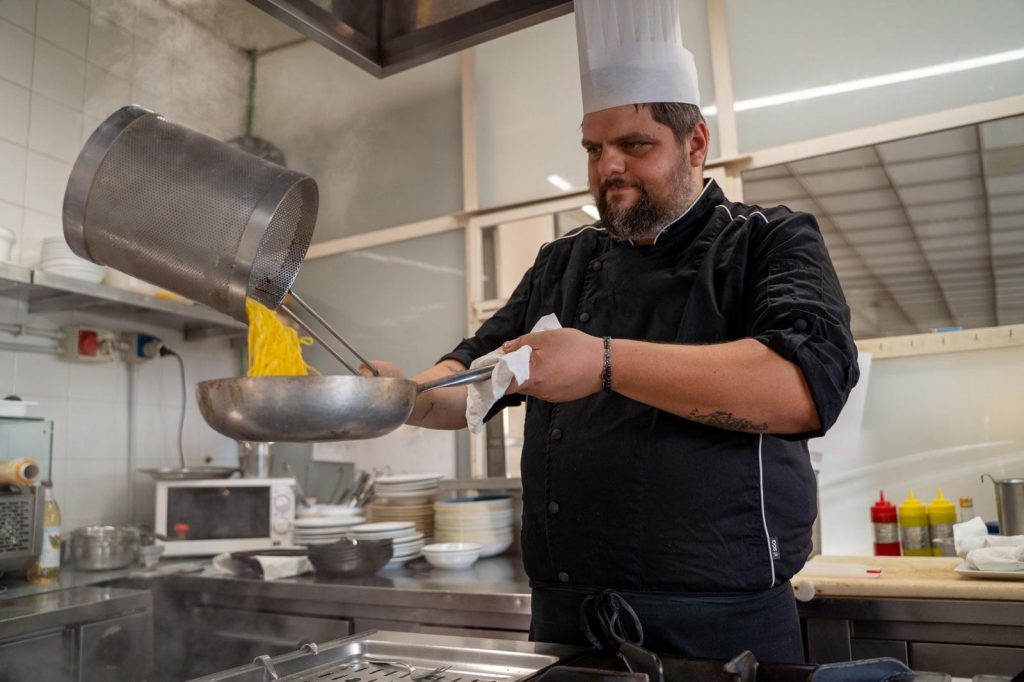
(903, 578)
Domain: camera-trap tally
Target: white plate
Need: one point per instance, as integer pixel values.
(346, 522)
(381, 527)
(965, 569)
(406, 479)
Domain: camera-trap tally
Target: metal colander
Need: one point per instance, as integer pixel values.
(188, 213)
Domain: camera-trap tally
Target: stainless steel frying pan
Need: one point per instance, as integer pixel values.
(314, 409)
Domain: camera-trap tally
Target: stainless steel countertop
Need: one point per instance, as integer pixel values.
(497, 584)
(60, 607)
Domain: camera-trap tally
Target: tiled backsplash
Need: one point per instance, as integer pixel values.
(64, 66)
(88, 405)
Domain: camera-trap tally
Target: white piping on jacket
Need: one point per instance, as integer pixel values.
(672, 222)
(764, 518)
(574, 234)
(726, 208)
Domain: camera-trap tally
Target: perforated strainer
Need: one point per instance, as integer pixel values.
(188, 213)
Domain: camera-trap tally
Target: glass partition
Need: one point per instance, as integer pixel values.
(925, 233)
(819, 68)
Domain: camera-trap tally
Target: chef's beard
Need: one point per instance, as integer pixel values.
(646, 217)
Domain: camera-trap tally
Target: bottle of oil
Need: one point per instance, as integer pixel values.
(45, 570)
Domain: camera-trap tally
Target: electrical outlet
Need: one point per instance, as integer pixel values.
(88, 344)
(140, 347)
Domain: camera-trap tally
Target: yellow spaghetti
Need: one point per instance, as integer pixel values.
(275, 349)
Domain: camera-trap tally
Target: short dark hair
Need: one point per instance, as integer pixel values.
(681, 118)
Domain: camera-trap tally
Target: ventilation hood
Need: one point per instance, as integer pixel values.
(384, 37)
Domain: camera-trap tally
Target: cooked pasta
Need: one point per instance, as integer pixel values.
(275, 349)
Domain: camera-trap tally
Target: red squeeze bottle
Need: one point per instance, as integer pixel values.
(883, 520)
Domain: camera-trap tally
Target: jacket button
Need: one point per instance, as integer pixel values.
(800, 325)
(596, 266)
(584, 317)
(556, 434)
(563, 576)
(552, 507)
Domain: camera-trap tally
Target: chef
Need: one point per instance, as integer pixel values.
(704, 341)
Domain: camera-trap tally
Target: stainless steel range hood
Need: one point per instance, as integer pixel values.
(384, 37)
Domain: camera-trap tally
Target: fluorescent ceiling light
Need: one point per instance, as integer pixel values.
(591, 211)
(560, 182)
(878, 81)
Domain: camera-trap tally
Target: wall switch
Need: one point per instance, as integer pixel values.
(87, 344)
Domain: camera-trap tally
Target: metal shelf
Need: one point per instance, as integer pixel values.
(46, 292)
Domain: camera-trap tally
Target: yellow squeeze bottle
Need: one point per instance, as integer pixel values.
(914, 540)
(941, 517)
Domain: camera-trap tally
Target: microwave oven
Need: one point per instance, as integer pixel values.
(212, 516)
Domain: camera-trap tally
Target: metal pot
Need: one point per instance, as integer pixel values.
(1009, 504)
(254, 459)
(102, 548)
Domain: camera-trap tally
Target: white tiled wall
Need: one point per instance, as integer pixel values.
(65, 65)
(88, 405)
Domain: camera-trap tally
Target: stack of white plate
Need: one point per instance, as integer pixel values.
(57, 257)
(406, 489)
(405, 497)
(328, 510)
(485, 520)
(322, 530)
(406, 540)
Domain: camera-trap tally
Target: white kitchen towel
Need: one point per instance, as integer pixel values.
(974, 542)
(482, 395)
(969, 535)
(997, 558)
(274, 567)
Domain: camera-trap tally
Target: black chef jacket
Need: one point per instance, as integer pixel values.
(622, 495)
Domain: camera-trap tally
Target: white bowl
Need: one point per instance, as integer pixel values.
(454, 555)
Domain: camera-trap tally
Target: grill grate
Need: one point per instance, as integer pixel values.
(358, 670)
(16, 524)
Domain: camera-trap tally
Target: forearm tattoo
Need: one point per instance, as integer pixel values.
(430, 408)
(727, 421)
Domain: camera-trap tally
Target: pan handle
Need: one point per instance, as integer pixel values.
(468, 376)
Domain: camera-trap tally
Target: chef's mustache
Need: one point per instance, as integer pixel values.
(617, 182)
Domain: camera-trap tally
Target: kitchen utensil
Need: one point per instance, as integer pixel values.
(318, 408)
(300, 494)
(189, 473)
(149, 555)
(254, 459)
(349, 557)
(188, 213)
(102, 548)
(1009, 504)
(192, 215)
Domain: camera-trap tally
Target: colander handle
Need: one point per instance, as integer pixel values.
(319, 339)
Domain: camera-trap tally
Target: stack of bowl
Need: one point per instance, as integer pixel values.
(404, 537)
(348, 557)
(485, 520)
(322, 530)
(57, 258)
(406, 497)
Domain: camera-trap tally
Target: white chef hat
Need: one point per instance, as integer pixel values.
(631, 52)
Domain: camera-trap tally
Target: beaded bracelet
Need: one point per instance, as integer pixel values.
(606, 372)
